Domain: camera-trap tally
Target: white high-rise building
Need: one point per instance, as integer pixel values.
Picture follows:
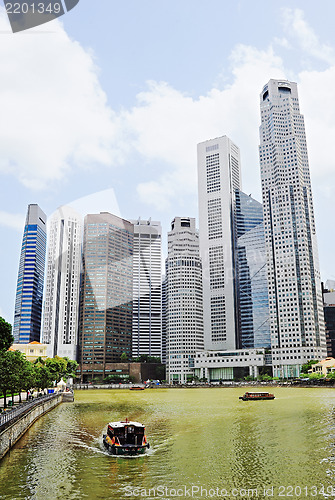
(147, 288)
(61, 305)
(295, 298)
(219, 176)
(184, 315)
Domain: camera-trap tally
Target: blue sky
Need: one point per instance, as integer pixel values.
(107, 105)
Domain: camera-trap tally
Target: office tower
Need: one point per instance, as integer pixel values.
(61, 303)
(106, 310)
(184, 300)
(164, 317)
(29, 292)
(296, 313)
(251, 273)
(329, 314)
(147, 288)
(218, 179)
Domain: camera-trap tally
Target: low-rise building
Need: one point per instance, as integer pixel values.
(32, 351)
(227, 365)
(324, 366)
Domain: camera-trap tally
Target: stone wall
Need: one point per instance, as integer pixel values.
(13, 431)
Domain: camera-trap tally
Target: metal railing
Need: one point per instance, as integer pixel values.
(10, 414)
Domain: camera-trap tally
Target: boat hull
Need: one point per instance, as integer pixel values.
(256, 399)
(125, 450)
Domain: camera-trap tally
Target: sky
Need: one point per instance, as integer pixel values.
(103, 108)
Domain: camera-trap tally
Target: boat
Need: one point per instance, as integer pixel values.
(256, 396)
(126, 438)
(137, 387)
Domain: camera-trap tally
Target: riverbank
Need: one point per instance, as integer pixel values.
(227, 384)
(15, 423)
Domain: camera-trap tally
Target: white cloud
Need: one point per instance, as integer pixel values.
(168, 125)
(316, 103)
(297, 28)
(53, 111)
(13, 221)
(55, 116)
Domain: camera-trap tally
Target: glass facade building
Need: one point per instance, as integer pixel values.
(106, 311)
(29, 292)
(252, 287)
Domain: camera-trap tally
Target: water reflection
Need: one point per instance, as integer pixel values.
(204, 437)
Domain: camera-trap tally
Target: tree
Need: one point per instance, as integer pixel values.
(124, 358)
(43, 377)
(11, 363)
(28, 377)
(57, 367)
(307, 366)
(71, 368)
(6, 337)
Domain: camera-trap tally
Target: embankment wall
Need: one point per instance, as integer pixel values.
(15, 430)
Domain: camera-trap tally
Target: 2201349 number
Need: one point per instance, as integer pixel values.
(39, 8)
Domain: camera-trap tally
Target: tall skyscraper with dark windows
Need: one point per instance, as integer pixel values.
(106, 303)
(295, 299)
(29, 292)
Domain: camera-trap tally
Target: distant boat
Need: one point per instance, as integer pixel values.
(256, 396)
(125, 438)
(137, 387)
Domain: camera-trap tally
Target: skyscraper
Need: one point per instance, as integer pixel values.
(219, 176)
(29, 292)
(295, 300)
(61, 303)
(147, 288)
(106, 312)
(184, 313)
(251, 274)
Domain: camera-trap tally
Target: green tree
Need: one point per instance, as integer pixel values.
(124, 358)
(6, 337)
(28, 377)
(57, 367)
(308, 365)
(43, 377)
(11, 363)
(71, 368)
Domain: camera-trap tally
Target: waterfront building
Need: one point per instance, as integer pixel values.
(61, 302)
(184, 315)
(147, 288)
(251, 275)
(29, 291)
(32, 351)
(219, 177)
(295, 300)
(164, 317)
(106, 303)
(216, 366)
(232, 246)
(329, 313)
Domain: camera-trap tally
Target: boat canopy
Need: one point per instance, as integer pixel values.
(119, 425)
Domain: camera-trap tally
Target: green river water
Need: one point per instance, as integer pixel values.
(205, 443)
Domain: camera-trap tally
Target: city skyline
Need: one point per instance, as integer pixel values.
(131, 128)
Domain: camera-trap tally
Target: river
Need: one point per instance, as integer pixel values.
(205, 443)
